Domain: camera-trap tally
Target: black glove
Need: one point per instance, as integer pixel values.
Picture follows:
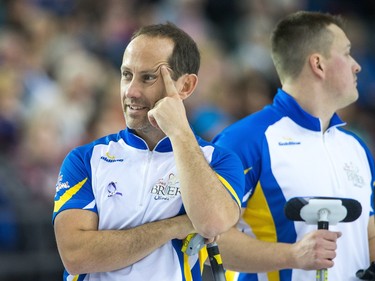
(368, 274)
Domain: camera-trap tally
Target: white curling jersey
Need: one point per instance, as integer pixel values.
(286, 154)
(127, 185)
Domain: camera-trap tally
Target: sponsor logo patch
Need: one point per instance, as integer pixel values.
(353, 174)
(60, 184)
(110, 158)
(166, 189)
(288, 141)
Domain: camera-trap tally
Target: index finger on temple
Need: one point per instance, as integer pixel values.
(168, 82)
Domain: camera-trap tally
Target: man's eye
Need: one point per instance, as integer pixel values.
(127, 75)
(149, 77)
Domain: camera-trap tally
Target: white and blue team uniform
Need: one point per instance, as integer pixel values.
(286, 154)
(128, 185)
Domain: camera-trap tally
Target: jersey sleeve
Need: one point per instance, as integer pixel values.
(228, 167)
(73, 187)
(249, 157)
(372, 169)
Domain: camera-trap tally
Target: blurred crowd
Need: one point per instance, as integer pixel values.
(60, 77)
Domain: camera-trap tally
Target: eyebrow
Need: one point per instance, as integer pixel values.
(152, 70)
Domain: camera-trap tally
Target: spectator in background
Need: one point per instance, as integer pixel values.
(11, 110)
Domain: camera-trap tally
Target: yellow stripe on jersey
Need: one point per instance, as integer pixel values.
(231, 275)
(203, 255)
(67, 195)
(230, 189)
(247, 170)
(258, 215)
(187, 270)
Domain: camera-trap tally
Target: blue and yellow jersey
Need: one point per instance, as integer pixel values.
(127, 185)
(286, 154)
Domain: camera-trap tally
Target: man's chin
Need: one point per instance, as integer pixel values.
(355, 97)
(137, 127)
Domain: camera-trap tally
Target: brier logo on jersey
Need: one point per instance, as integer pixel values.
(166, 189)
(353, 174)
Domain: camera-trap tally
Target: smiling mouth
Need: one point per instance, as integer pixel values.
(136, 107)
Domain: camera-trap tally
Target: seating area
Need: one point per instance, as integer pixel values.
(27, 246)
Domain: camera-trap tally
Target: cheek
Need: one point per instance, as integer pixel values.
(337, 65)
(342, 72)
(123, 89)
(122, 94)
(155, 92)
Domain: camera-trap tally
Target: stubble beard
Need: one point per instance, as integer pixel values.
(139, 125)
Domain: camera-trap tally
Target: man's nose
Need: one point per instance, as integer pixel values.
(132, 89)
(357, 67)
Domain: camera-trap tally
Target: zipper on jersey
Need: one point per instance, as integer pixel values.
(331, 163)
(145, 178)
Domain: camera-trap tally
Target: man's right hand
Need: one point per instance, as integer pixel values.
(316, 250)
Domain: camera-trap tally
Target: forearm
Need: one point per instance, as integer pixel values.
(208, 204)
(371, 235)
(91, 250)
(240, 252)
(243, 253)
(109, 250)
(372, 249)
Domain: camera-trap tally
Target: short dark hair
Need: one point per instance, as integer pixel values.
(185, 56)
(298, 35)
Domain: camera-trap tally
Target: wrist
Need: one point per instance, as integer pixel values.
(290, 256)
(180, 227)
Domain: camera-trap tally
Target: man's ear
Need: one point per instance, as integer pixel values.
(316, 63)
(187, 84)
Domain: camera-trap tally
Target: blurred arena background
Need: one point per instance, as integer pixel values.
(60, 79)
